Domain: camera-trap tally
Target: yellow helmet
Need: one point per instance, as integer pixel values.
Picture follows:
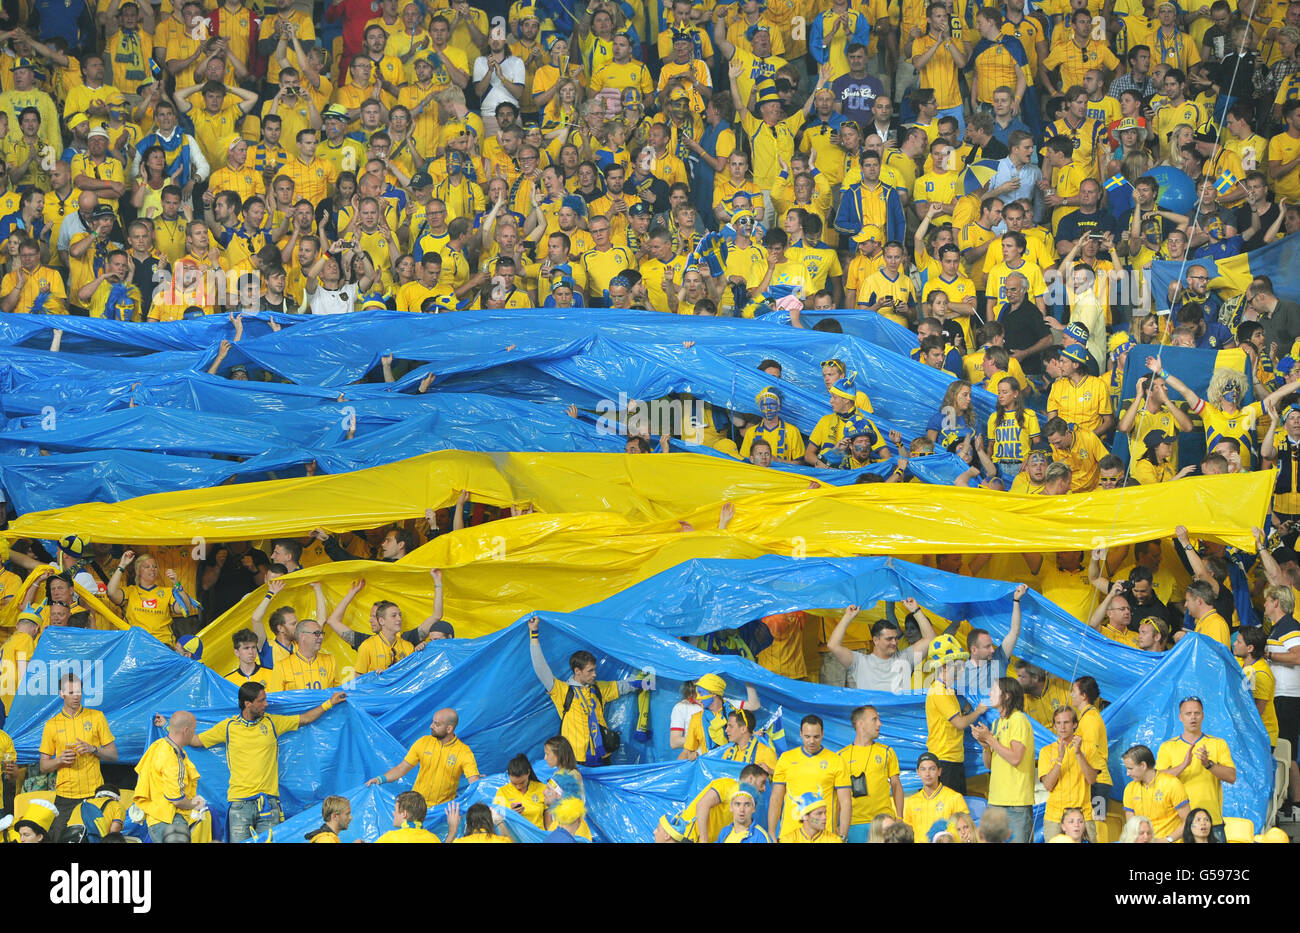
(942, 650)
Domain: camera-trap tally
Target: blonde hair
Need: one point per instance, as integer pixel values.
(1284, 595)
(1223, 376)
(1131, 827)
(333, 806)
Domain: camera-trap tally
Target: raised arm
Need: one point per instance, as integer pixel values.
(835, 644)
(1009, 643)
(540, 666)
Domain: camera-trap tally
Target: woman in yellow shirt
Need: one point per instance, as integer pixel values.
(1009, 756)
(523, 793)
(1155, 465)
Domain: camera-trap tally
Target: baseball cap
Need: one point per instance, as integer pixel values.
(927, 756)
(639, 209)
(679, 93)
(421, 180)
(335, 111)
(1078, 331)
(443, 628)
(101, 210)
(1128, 123)
(868, 232)
(1076, 353)
(239, 368)
(1206, 133)
(97, 131)
(1154, 438)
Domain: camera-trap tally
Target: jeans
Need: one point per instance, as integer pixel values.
(859, 832)
(178, 824)
(1021, 820)
(243, 820)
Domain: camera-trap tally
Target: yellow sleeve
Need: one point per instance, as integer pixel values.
(946, 705)
(284, 724)
(694, 733)
(216, 735)
(1165, 757)
(412, 756)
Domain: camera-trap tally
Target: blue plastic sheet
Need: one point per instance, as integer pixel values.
(504, 711)
(503, 383)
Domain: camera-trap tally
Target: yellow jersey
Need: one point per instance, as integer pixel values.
(1012, 785)
(259, 675)
(576, 713)
(1262, 686)
(166, 775)
(1158, 802)
(297, 673)
(1203, 788)
(442, 765)
(800, 773)
(943, 739)
(531, 799)
(252, 752)
(925, 808)
(151, 608)
(1213, 625)
(82, 778)
(376, 654)
(17, 651)
(1093, 730)
(1072, 789)
(409, 833)
(878, 763)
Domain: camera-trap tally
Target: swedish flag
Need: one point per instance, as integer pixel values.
(1115, 181)
(1225, 182)
(711, 251)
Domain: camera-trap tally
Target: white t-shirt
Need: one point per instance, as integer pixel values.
(871, 673)
(332, 301)
(512, 68)
(681, 715)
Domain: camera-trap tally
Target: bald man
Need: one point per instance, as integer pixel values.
(167, 789)
(77, 224)
(443, 760)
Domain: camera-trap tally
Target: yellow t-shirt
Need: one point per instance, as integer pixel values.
(166, 775)
(1093, 730)
(441, 764)
(252, 752)
(1212, 625)
(376, 654)
(1203, 788)
(1013, 785)
(532, 799)
(82, 778)
(297, 673)
(923, 809)
(17, 651)
(800, 773)
(1158, 801)
(574, 724)
(1262, 686)
(879, 764)
(943, 739)
(1072, 789)
(152, 609)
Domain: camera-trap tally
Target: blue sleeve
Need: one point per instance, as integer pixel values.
(953, 363)
(935, 423)
(861, 30)
(896, 223)
(815, 43)
(265, 656)
(848, 219)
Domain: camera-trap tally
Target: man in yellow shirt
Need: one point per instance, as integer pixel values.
(933, 802)
(252, 741)
(18, 650)
(307, 667)
(708, 728)
(32, 288)
(409, 814)
(1199, 602)
(1079, 398)
(947, 716)
(938, 55)
(809, 769)
(1078, 449)
(443, 759)
(1075, 56)
(386, 647)
(1068, 767)
(1284, 154)
(1203, 763)
(312, 176)
(168, 783)
(73, 744)
(1155, 795)
(810, 812)
(872, 769)
(580, 700)
(248, 668)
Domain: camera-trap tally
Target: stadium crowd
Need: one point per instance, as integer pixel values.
(994, 178)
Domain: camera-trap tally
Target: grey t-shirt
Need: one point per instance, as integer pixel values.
(871, 673)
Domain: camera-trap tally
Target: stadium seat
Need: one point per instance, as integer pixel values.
(1238, 829)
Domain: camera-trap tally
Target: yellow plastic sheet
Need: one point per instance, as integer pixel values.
(498, 571)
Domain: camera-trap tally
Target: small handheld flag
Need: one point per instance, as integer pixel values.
(1225, 182)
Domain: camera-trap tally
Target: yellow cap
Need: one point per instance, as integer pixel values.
(711, 683)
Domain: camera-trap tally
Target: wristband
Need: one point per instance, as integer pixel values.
(327, 705)
(1164, 374)
(269, 596)
(1015, 599)
(381, 779)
